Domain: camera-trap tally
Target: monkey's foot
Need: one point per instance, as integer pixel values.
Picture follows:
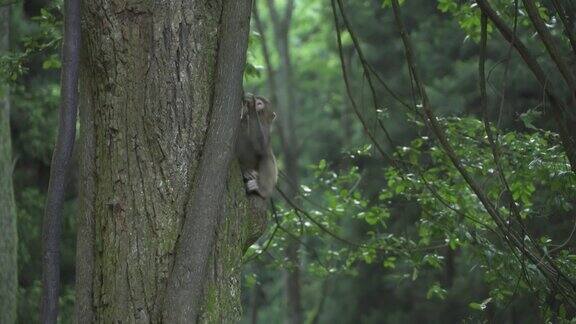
(252, 186)
(250, 178)
(250, 175)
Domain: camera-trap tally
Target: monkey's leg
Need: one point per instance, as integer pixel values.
(267, 175)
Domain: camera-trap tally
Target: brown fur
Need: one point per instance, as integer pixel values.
(254, 150)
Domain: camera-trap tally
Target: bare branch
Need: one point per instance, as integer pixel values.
(548, 41)
(565, 117)
(271, 75)
(349, 88)
(546, 265)
(568, 29)
(492, 140)
(296, 238)
(432, 122)
(288, 11)
(273, 12)
(258, 254)
(367, 72)
(313, 220)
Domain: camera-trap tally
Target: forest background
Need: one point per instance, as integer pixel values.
(384, 213)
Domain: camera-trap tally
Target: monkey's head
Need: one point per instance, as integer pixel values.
(259, 108)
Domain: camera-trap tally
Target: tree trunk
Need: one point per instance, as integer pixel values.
(257, 297)
(8, 232)
(284, 94)
(286, 107)
(147, 85)
(287, 102)
(293, 285)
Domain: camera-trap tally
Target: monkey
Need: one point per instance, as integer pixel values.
(254, 150)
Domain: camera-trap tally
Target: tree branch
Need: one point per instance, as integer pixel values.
(548, 41)
(7, 2)
(52, 221)
(273, 11)
(288, 11)
(568, 28)
(195, 245)
(272, 87)
(547, 267)
(313, 220)
(367, 72)
(349, 88)
(492, 140)
(565, 118)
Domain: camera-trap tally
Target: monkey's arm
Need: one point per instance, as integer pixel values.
(260, 142)
(267, 175)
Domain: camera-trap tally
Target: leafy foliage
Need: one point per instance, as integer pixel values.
(377, 242)
(413, 243)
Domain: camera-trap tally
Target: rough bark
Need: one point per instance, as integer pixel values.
(8, 233)
(85, 252)
(148, 81)
(203, 214)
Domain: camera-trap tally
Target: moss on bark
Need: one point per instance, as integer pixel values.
(147, 81)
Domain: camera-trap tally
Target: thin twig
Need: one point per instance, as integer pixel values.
(563, 115)
(488, 129)
(256, 255)
(548, 269)
(548, 41)
(296, 238)
(568, 28)
(313, 220)
(349, 88)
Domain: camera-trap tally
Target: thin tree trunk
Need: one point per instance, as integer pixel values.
(8, 232)
(257, 294)
(450, 268)
(148, 80)
(286, 107)
(293, 285)
(255, 303)
(317, 311)
(60, 164)
(293, 279)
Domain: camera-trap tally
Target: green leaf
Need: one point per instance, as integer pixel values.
(436, 291)
(447, 5)
(389, 263)
(388, 3)
(480, 306)
(252, 70)
(52, 62)
(322, 164)
(369, 256)
(371, 218)
(530, 117)
(475, 306)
